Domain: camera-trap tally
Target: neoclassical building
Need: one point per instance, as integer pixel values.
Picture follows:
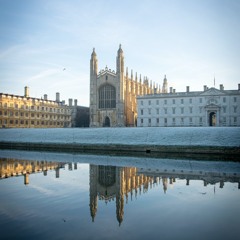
(210, 107)
(113, 94)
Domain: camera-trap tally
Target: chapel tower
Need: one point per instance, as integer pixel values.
(113, 94)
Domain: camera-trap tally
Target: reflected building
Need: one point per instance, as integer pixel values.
(111, 183)
(13, 167)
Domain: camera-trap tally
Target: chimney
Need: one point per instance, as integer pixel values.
(63, 102)
(70, 102)
(45, 97)
(221, 87)
(170, 89)
(26, 92)
(239, 87)
(57, 97)
(187, 89)
(75, 102)
(205, 88)
(174, 90)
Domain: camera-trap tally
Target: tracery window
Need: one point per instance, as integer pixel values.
(107, 96)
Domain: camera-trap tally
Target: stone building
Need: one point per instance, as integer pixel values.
(28, 112)
(210, 107)
(113, 94)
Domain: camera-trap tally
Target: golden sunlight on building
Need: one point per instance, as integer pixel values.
(27, 112)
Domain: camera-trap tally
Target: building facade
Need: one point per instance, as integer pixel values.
(27, 112)
(210, 107)
(113, 94)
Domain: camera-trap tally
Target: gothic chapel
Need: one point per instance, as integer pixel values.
(113, 94)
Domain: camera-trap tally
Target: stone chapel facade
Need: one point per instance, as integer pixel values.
(113, 94)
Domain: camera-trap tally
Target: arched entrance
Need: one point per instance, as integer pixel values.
(106, 122)
(212, 119)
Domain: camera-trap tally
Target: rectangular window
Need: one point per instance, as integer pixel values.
(157, 120)
(141, 120)
(173, 110)
(182, 110)
(173, 101)
(182, 101)
(190, 120)
(173, 120)
(235, 99)
(190, 109)
(165, 110)
(235, 109)
(200, 119)
(165, 101)
(200, 100)
(190, 100)
(149, 111)
(141, 111)
(165, 120)
(235, 119)
(224, 99)
(149, 120)
(149, 102)
(157, 102)
(157, 111)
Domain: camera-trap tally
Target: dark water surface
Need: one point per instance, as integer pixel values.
(73, 200)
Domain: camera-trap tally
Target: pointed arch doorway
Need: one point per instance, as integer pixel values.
(106, 122)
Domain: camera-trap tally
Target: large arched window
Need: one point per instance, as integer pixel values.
(107, 96)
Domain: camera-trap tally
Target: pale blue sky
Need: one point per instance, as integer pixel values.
(189, 41)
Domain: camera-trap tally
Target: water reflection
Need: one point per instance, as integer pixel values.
(108, 183)
(15, 167)
(115, 183)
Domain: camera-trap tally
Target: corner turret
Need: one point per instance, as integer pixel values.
(93, 63)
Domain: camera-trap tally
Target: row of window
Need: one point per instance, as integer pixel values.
(32, 122)
(182, 120)
(32, 115)
(50, 109)
(173, 110)
(182, 101)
